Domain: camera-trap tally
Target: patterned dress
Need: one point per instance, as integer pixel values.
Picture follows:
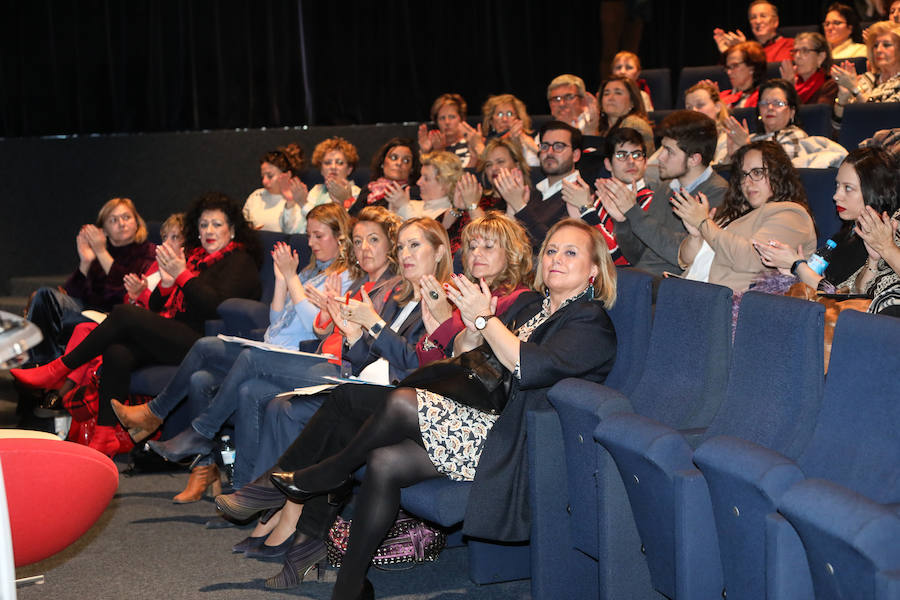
(454, 433)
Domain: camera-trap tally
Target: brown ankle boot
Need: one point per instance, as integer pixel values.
(138, 418)
(202, 478)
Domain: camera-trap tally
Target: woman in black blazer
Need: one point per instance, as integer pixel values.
(543, 338)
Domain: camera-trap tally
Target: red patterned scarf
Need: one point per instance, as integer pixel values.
(805, 89)
(378, 189)
(197, 262)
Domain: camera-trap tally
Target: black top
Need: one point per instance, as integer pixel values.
(362, 202)
(101, 291)
(848, 256)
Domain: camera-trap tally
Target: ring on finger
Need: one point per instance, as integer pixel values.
(434, 295)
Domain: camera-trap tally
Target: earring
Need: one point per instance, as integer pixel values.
(232, 236)
(590, 288)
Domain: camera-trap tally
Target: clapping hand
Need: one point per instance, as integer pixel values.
(577, 196)
(726, 39)
(778, 255)
(786, 69)
(82, 243)
(397, 195)
(738, 132)
(592, 110)
(134, 285)
(286, 259)
(877, 231)
(330, 289)
(616, 197)
(434, 298)
(294, 192)
(352, 331)
(692, 211)
(96, 237)
(361, 312)
(845, 75)
(472, 300)
(339, 190)
(468, 191)
(510, 183)
(171, 261)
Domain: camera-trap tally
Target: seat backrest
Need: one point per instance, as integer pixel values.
(861, 120)
(819, 185)
(777, 373)
(793, 30)
(660, 83)
(856, 442)
(815, 119)
(267, 240)
(631, 315)
(686, 370)
(691, 75)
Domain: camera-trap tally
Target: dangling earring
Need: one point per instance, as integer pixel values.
(546, 292)
(590, 289)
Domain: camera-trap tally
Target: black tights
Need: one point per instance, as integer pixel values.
(391, 446)
(129, 338)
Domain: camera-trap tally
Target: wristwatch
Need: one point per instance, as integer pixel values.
(482, 321)
(376, 328)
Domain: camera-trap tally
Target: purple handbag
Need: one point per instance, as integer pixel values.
(409, 540)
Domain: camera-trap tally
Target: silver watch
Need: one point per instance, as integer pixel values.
(482, 321)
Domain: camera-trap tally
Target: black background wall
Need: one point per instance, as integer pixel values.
(218, 70)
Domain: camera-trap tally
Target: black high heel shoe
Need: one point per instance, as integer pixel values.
(287, 483)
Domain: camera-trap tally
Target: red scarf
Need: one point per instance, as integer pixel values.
(378, 189)
(806, 89)
(197, 262)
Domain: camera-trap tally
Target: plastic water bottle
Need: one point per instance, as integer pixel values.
(818, 262)
(227, 453)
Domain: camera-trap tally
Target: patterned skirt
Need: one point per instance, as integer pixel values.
(453, 433)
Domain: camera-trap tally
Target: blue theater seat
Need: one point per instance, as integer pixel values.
(864, 119)
(660, 83)
(779, 339)
(855, 446)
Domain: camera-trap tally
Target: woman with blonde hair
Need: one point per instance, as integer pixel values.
(108, 249)
(882, 82)
(504, 116)
(448, 112)
(562, 331)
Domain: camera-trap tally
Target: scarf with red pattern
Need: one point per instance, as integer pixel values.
(197, 261)
(805, 89)
(378, 189)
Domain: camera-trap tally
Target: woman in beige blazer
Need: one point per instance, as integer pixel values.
(765, 201)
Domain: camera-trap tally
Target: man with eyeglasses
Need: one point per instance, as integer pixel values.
(559, 150)
(571, 103)
(763, 17)
(626, 161)
(649, 239)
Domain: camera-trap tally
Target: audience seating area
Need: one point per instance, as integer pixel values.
(732, 468)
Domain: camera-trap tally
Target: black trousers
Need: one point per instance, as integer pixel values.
(328, 431)
(129, 338)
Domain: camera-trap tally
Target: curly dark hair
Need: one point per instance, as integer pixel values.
(286, 159)
(243, 232)
(879, 177)
(783, 179)
(377, 167)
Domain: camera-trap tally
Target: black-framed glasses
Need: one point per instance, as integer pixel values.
(803, 51)
(833, 23)
(772, 104)
(557, 146)
(755, 174)
(634, 154)
(562, 98)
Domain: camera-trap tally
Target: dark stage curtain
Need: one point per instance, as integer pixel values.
(95, 66)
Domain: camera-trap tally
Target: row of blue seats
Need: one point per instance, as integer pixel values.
(631, 516)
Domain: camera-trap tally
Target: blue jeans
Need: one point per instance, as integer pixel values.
(283, 421)
(260, 375)
(210, 356)
(55, 314)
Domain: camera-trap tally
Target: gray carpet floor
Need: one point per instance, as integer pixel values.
(145, 547)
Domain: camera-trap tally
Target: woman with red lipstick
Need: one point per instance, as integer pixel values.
(867, 196)
(765, 200)
(777, 109)
(278, 204)
(336, 158)
(220, 260)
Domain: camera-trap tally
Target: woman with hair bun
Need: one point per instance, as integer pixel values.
(278, 204)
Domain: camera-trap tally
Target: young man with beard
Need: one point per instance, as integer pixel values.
(650, 240)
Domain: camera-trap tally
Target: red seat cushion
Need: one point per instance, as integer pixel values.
(55, 491)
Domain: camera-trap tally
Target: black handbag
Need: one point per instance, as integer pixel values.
(475, 378)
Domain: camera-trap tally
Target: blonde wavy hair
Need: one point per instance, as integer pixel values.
(447, 167)
(335, 217)
(509, 235)
(605, 282)
(875, 31)
(140, 235)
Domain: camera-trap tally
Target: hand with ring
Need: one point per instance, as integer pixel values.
(472, 299)
(361, 312)
(434, 297)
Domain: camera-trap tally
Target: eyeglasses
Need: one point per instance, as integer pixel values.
(557, 146)
(833, 23)
(795, 51)
(504, 113)
(634, 154)
(755, 174)
(772, 104)
(734, 66)
(564, 98)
